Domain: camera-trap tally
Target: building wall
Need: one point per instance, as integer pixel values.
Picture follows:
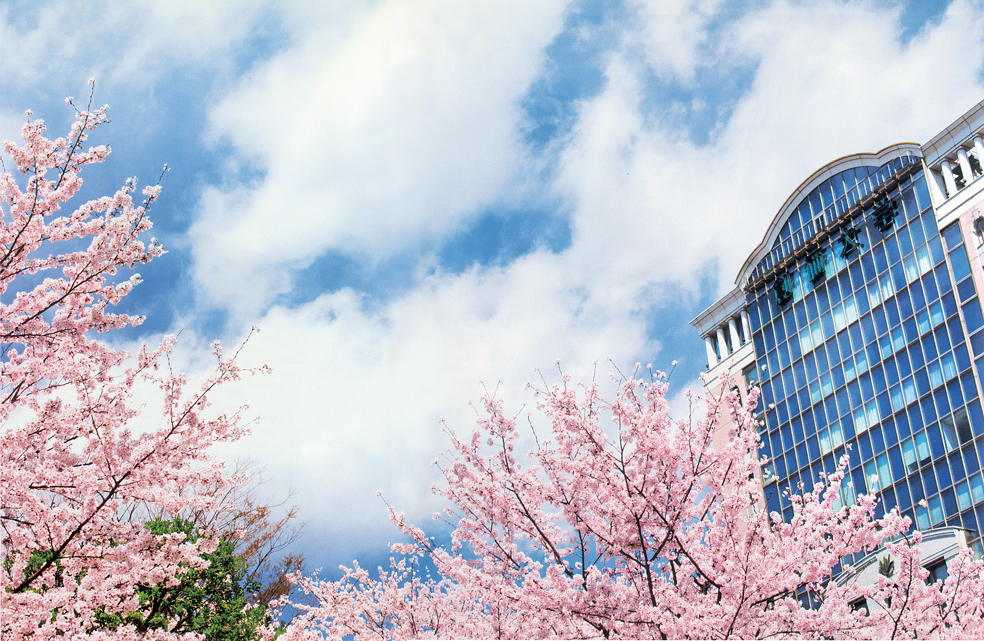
(867, 332)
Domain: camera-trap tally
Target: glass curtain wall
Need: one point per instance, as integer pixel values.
(866, 346)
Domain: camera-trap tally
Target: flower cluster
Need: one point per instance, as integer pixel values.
(76, 482)
(623, 522)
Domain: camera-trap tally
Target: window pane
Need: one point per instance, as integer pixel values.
(887, 287)
(898, 339)
(862, 362)
(935, 374)
(962, 421)
(922, 448)
(935, 510)
(849, 372)
(806, 343)
(911, 268)
(925, 261)
(922, 518)
(871, 476)
(826, 385)
(874, 295)
(949, 434)
(839, 322)
(851, 310)
(847, 494)
(825, 442)
(963, 496)
(860, 421)
(973, 317)
(898, 401)
(909, 391)
(952, 236)
(977, 488)
(871, 409)
(885, 346)
(884, 471)
(961, 268)
(949, 367)
(909, 455)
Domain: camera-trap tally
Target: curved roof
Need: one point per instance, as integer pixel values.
(807, 189)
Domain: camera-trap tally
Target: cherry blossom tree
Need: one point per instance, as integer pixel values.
(77, 476)
(246, 517)
(621, 522)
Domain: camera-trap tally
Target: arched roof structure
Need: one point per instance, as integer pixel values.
(830, 190)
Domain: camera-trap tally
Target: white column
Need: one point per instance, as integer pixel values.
(937, 192)
(712, 358)
(735, 338)
(746, 326)
(968, 175)
(948, 180)
(722, 344)
(979, 148)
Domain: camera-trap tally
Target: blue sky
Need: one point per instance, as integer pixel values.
(413, 199)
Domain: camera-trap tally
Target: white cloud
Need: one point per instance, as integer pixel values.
(374, 137)
(123, 42)
(355, 400)
(673, 33)
(394, 152)
(383, 126)
(832, 79)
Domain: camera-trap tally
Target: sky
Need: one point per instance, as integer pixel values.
(420, 201)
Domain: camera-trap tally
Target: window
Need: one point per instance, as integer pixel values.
(878, 473)
(885, 346)
(949, 367)
(898, 401)
(850, 310)
(860, 420)
(840, 322)
(849, 372)
(871, 409)
(871, 477)
(826, 385)
(922, 448)
(923, 322)
(922, 518)
(977, 488)
(887, 287)
(937, 571)
(874, 295)
(935, 374)
(956, 428)
(963, 496)
(909, 391)
(911, 266)
(898, 339)
(909, 455)
(936, 510)
(751, 375)
(949, 434)
(925, 261)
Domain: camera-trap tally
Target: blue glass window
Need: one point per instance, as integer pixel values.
(972, 316)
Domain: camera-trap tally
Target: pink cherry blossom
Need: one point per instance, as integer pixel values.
(76, 480)
(622, 522)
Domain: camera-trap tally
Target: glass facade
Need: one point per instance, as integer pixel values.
(832, 198)
(866, 326)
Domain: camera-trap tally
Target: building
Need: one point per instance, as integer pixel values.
(859, 317)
